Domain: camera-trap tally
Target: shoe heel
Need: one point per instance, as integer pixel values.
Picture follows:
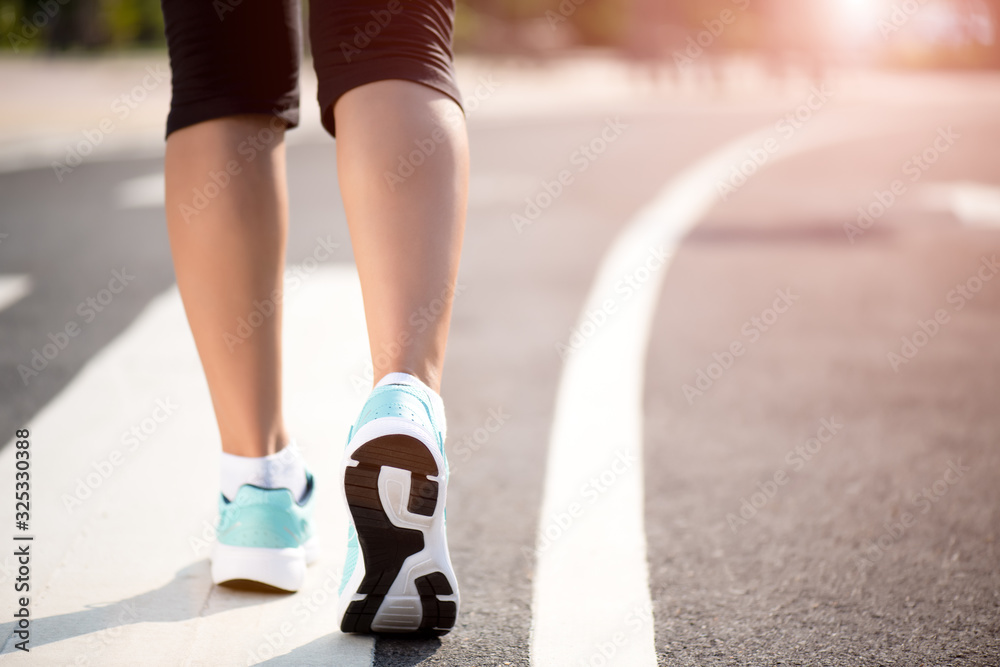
(386, 545)
(284, 569)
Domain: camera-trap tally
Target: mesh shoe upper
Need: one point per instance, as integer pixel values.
(266, 518)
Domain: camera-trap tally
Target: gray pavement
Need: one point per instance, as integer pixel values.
(765, 547)
(877, 544)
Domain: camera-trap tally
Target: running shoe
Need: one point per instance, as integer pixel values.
(265, 536)
(397, 575)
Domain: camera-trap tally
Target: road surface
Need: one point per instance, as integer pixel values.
(722, 389)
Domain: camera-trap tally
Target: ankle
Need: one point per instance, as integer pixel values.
(253, 445)
(428, 376)
(282, 470)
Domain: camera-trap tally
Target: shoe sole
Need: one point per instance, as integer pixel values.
(284, 569)
(395, 486)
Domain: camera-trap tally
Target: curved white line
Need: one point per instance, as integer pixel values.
(591, 586)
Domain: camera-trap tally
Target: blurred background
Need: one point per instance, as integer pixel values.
(831, 171)
(943, 33)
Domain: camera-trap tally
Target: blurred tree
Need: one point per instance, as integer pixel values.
(62, 25)
(540, 25)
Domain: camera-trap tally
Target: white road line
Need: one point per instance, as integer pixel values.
(13, 288)
(591, 590)
(974, 204)
(141, 192)
(122, 577)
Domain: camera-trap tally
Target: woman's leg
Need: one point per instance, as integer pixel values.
(402, 159)
(229, 259)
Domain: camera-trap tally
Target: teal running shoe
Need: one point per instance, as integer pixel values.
(265, 536)
(397, 576)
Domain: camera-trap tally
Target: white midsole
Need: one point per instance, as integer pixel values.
(281, 568)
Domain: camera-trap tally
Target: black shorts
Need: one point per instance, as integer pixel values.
(232, 57)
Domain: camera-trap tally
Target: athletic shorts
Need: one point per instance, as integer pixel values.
(231, 57)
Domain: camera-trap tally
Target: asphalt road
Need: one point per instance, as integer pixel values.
(810, 499)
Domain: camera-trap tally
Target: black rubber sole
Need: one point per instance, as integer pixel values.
(438, 615)
(385, 546)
